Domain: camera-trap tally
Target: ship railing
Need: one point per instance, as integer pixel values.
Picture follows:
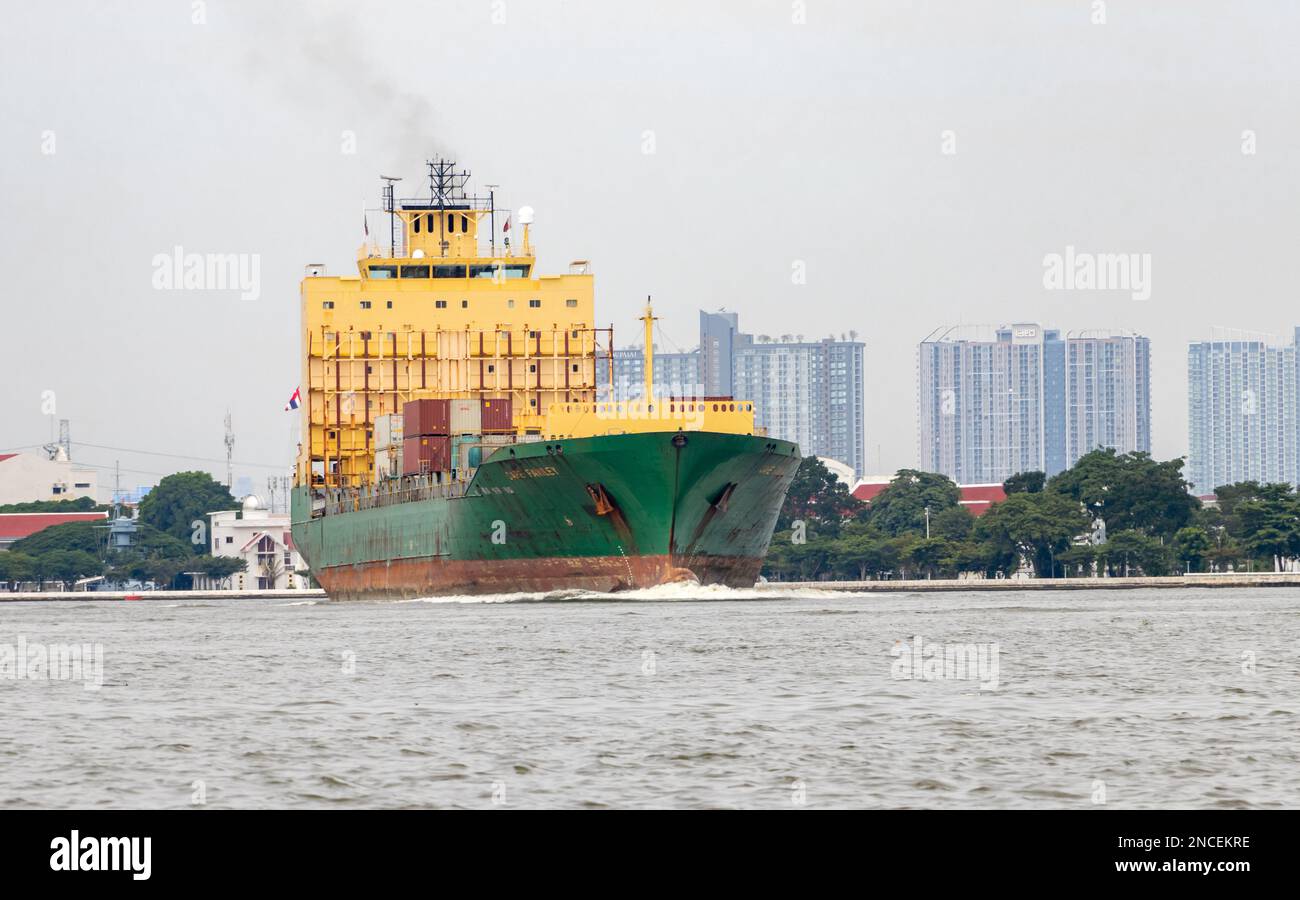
(390, 493)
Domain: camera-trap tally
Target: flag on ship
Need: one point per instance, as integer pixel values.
(295, 399)
(506, 227)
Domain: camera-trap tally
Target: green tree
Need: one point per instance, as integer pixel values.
(1034, 526)
(954, 523)
(217, 566)
(900, 508)
(1130, 491)
(16, 566)
(80, 504)
(1131, 552)
(87, 537)
(1076, 560)
(817, 498)
(924, 556)
(67, 566)
(181, 499)
(1191, 544)
(1024, 483)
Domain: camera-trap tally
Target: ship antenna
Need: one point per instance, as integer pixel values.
(492, 216)
(445, 184)
(390, 208)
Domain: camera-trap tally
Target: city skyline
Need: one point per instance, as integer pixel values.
(1020, 397)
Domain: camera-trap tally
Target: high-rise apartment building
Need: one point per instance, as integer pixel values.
(1025, 399)
(1242, 412)
(810, 392)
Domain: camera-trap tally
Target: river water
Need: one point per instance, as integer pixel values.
(676, 697)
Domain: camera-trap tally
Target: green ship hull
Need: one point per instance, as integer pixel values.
(606, 513)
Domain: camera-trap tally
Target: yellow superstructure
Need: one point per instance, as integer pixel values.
(436, 314)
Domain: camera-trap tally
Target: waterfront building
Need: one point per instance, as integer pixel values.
(263, 540)
(28, 477)
(1241, 412)
(1023, 398)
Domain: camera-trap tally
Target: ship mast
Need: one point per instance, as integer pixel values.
(649, 320)
(446, 185)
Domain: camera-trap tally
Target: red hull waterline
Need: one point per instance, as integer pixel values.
(404, 579)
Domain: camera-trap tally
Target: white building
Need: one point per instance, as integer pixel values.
(27, 477)
(263, 540)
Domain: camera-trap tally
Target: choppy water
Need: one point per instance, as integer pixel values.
(744, 699)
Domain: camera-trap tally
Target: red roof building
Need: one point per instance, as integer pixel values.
(16, 526)
(975, 497)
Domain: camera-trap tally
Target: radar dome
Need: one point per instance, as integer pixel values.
(525, 215)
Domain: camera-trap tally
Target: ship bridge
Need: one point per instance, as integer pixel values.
(447, 302)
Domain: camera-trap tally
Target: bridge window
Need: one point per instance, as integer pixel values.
(415, 271)
(417, 224)
(448, 271)
(428, 223)
(451, 224)
(464, 223)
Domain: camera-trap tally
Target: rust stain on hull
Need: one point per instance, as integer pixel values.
(409, 578)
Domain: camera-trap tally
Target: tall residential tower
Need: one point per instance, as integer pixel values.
(1022, 398)
(1241, 412)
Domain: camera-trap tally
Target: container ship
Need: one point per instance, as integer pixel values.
(455, 439)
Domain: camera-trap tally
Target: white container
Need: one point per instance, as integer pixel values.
(388, 431)
(388, 462)
(466, 417)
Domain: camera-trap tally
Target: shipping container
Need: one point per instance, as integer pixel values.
(426, 453)
(388, 431)
(469, 451)
(388, 462)
(466, 416)
(497, 415)
(425, 417)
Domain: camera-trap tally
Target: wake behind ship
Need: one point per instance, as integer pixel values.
(454, 441)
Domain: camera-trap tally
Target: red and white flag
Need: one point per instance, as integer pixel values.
(295, 400)
(506, 227)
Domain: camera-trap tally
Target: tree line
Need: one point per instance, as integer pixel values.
(1109, 514)
(165, 548)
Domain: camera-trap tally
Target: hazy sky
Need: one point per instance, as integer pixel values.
(774, 142)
